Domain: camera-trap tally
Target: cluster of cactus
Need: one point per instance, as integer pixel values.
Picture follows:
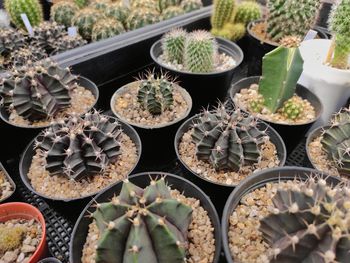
(256, 105)
(85, 20)
(142, 225)
(80, 146)
(118, 11)
(336, 141)
(38, 90)
(66, 43)
(155, 93)
(309, 223)
(228, 140)
(292, 109)
(106, 28)
(63, 12)
(172, 11)
(11, 238)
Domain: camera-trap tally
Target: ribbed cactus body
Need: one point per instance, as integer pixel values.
(223, 12)
(246, 12)
(118, 11)
(164, 4)
(142, 225)
(139, 5)
(171, 12)
(11, 40)
(66, 43)
(231, 31)
(32, 8)
(82, 3)
(191, 5)
(63, 12)
(292, 109)
(106, 28)
(173, 45)
(141, 18)
(20, 57)
(101, 5)
(85, 20)
(46, 34)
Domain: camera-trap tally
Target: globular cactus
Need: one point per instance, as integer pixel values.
(145, 4)
(118, 11)
(200, 52)
(223, 12)
(173, 45)
(101, 5)
(155, 94)
(11, 40)
(171, 12)
(278, 86)
(66, 43)
(191, 5)
(142, 17)
(164, 4)
(82, 3)
(106, 28)
(4, 20)
(142, 225)
(80, 146)
(85, 20)
(46, 34)
(256, 105)
(230, 31)
(32, 8)
(336, 141)
(20, 57)
(292, 109)
(38, 91)
(247, 12)
(63, 12)
(228, 140)
(309, 223)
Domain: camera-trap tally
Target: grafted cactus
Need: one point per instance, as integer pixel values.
(142, 225)
(80, 146)
(20, 58)
(228, 140)
(173, 45)
(67, 43)
(309, 223)
(292, 109)
(46, 34)
(11, 40)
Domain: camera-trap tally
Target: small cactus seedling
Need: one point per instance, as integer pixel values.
(85, 20)
(228, 140)
(173, 45)
(191, 5)
(309, 223)
(142, 17)
(46, 34)
(66, 43)
(80, 146)
(223, 13)
(292, 109)
(164, 4)
(247, 12)
(101, 5)
(106, 28)
(63, 12)
(142, 225)
(172, 11)
(11, 40)
(256, 105)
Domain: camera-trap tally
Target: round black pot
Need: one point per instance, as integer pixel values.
(312, 136)
(291, 134)
(256, 181)
(22, 135)
(29, 152)
(219, 192)
(9, 179)
(50, 260)
(258, 49)
(204, 88)
(143, 179)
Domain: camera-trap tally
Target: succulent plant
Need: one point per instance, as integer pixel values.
(191, 5)
(155, 94)
(173, 45)
(85, 20)
(223, 12)
(228, 140)
(32, 8)
(336, 141)
(309, 223)
(63, 12)
(246, 12)
(11, 238)
(142, 225)
(172, 11)
(38, 90)
(145, 4)
(82, 3)
(106, 28)
(164, 4)
(11, 40)
(4, 19)
(142, 17)
(230, 31)
(101, 5)
(66, 43)
(46, 34)
(256, 105)
(118, 11)
(20, 57)
(292, 109)
(80, 146)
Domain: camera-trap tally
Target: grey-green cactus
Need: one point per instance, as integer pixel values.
(309, 223)
(85, 20)
(139, 5)
(191, 5)
(142, 225)
(63, 12)
(247, 12)
(292, 109)
(223, 13)
(106, 28)
(11, 40)
(173, 45)
(228, 140)
(20, 57)
(172, 11)
(66, 43)
(46, 34)
(142, 17)
(118, 11)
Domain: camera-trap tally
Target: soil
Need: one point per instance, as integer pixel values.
(187, 152)
(259, 31)
(59, 186)
(6, 188)
(200, 236)
(130, 110)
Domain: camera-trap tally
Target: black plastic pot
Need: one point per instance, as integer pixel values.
(143, 179)
(312, 136)
(291, 134)
(258, 48)
(29, 152)
(204, 88)
(256, 181)
(157, 141)
(24, 134)
(219, 192)
(50, 260)
(9, 179)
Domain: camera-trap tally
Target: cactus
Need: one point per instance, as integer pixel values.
(46, 34)
(106, 28)
(292, 109)
(278, 86)
(309, 223)
(256, 105)
(19, 58)
(223, 12)
(82, 3)
(290, 41)
(142, 225)
(141, 18)
(200, 52)
(11, 40)
(336, 141)
(227, 140)
(155, 94)
(118, 11)
(66, 43)
(11, 238)
(230, 31)
(247, 12)
(171, 12)
(164, 4)
(291, 18)
(80, 146)
(85, 20)
(63, 12)
(191, 5)
(4, 19)
(32, 8)
(38, 90)
(101, 5)
(173, 45)
(145, 4)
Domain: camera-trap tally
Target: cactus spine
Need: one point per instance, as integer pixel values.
(172, 11)
(101, 5)
(142, 17)
(173, 45)
(66, 43)
(223, 12)
(106, 28)
(85, 20)
(63, 12)
(118, 11)
(164, 4)
(19, 58)
(246, 12)
(191, 5)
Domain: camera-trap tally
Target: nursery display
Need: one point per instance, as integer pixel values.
(7, 186)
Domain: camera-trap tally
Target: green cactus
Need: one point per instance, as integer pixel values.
(63, 12)
(164, 4)
(11, 238)
(223, 12)
(173, 45)
(171, 12)
(139, 5)
(11, 40)
(142, 225)
(101, 5)
(290, 41)
(66, 43)
(82, 3)
(106, 28)
(118, 11)
(155, 94)
(256, 105)
(247, 12)
(309, 223)
(227, 140)
(281, 70)
(292, 109)
(32, 8)
(233, 32)
(85, 20)
(143, 17)
(191, 5)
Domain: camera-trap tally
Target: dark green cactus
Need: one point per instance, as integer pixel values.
(256, 105)
(46, 34)
(155, 93)
(228, 140)
(20, 58)
(118, 11)
(173, 45)
(292, 109)
(80, 146)
(82, 3)
(63, 12)
(309, 223)
(142, 225)
(101, 5)
(66, 43)
(11, 40)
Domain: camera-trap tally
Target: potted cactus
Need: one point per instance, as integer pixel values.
(276, 98)
(287, 214)
(7, 186)
(220, 148)
(204, 64)
(159, 217)
(155, 105)
(80, 156)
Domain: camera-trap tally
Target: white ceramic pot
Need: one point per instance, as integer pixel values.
(331, 85)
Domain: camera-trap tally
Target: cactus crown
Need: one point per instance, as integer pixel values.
(292, 109)
(106, 28)
(247, 11)
(46, 34)
(63, 12)
(172, 11)
(229, 140)
(80, 146)
(67, 43)
(142, 224)
(118, 11)
(20, 58)
(309, 223)
(11, 40)
(100, 4)
(173, 45)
